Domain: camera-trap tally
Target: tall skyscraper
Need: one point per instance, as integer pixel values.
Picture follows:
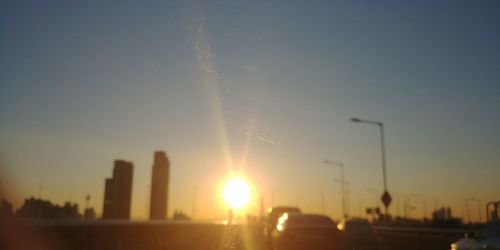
(106, 209)
(118, 191)
(159, 187)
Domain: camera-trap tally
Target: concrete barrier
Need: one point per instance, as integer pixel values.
(416, 238)
(59, 235)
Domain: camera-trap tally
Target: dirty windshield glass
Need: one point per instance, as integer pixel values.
(198, 124)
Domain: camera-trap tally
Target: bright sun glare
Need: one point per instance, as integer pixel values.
(236, 193)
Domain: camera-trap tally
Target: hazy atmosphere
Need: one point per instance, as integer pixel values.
(225, 86)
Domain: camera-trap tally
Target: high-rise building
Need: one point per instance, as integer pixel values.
(118, 192)
(159, 187)
(106, 209)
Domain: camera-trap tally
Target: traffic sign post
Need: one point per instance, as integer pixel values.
(386, 198)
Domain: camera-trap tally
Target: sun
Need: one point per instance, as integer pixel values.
(236, 193)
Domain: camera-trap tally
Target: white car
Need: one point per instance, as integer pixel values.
(486, 238)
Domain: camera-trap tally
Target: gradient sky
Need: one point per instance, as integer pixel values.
(268, 86)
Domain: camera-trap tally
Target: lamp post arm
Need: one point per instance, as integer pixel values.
(382, 144)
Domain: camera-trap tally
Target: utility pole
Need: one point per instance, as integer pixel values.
(322, 195)
(297, 200)
(87, 199)
(1, 190)
(195, 190)
(273, 196)
(40, 185)
(261, 205)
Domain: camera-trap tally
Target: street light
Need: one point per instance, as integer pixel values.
(407, 207)
(465, 209)
(342, 183)
(195, 192)
(361, 211)
(322, 196)
(346, 196)
(375, 192)
(297, 200)
(385, 195)
(273, 195)
(424, 206)
(478, 207)
(397, 199)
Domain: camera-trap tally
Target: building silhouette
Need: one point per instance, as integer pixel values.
(179, 215)
(158, 208)
(89, 214)
(442, 214)
(6, 209)
(118, 191)
(443, 218)
(44, 209)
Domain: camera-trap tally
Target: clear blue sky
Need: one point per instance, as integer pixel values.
(273, 84)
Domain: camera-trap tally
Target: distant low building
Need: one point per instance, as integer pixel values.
(6, 209)
(443, 218)
(179, 215)
(443, 213)
(89, 214)
(44, 209)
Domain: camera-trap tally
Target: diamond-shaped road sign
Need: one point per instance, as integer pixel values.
(386, 198)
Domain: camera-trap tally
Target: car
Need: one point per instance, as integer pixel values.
(357, 233)
(486, 238)
(306, 231)
(275, 213)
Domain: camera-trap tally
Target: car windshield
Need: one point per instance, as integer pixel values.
(197, 124)
(309, 220)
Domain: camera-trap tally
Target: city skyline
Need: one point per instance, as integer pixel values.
(237, 87)
(120, 187)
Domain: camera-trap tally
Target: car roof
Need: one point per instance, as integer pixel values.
(301, 218)
(277, 211)
(357, 221)
(284, 208)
